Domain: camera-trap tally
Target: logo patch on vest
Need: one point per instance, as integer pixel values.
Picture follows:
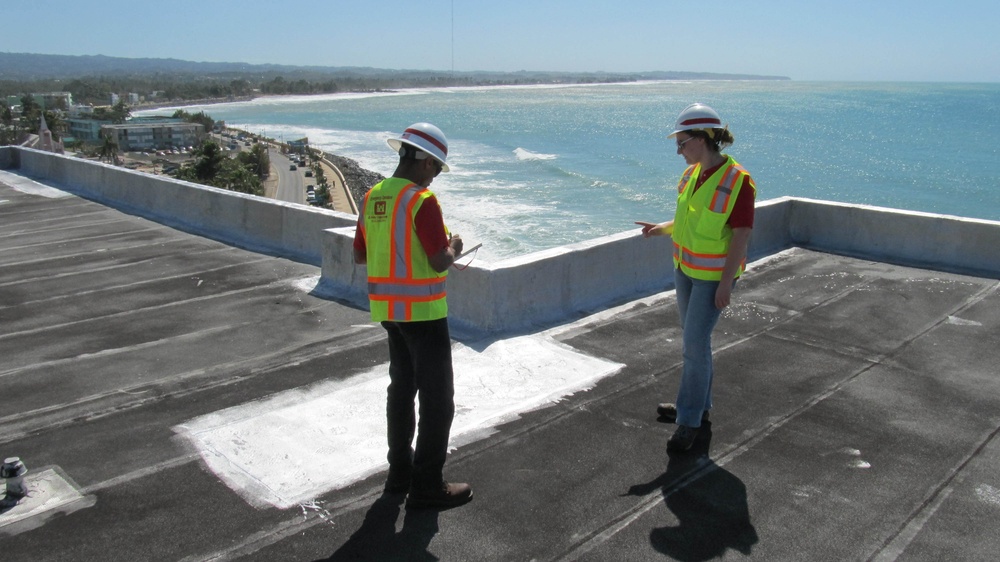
(380, 207)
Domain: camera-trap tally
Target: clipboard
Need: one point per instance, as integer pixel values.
(468, 251)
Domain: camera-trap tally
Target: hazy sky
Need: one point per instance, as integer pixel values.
(890, 40)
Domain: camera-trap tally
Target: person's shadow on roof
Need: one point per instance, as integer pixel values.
(377, 538)
(709, 502)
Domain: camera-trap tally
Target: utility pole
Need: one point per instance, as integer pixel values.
(453, 38)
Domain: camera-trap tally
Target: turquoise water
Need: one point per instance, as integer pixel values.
(538, 167)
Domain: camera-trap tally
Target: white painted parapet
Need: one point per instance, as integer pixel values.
(525, 292)
(528, 291)
(932, 241)
(266, 225)
(564, 283)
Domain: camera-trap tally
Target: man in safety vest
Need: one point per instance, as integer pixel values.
(402, 238)
(710, 231)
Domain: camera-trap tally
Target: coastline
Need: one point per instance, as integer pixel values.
(187, 103)
(357, 179)
(180, 104)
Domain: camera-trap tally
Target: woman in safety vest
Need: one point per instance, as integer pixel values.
(710, 232)
(402, 239)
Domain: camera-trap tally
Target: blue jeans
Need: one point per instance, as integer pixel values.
(698, 315)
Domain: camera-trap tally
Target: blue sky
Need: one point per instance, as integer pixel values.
(870, 40)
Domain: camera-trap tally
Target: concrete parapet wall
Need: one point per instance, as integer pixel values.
(550, 285)
(943, 242)
(273, 227)
(570, 281)
(8, 158)
(538, 289)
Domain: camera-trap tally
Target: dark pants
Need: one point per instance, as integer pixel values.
(420, 362)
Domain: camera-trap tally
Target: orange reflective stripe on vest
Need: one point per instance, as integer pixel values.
(701, 262)
(720, 199)
(402, 296)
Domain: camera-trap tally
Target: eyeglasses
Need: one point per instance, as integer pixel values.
(680, 145)
(437, 167)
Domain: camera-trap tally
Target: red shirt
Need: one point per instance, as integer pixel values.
(742, 214)
(429, 224)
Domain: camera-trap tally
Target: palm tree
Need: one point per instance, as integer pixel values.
(109, 150)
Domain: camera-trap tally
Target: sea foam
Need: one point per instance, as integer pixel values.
(523, 154)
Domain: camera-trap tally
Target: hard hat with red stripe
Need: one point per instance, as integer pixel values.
(424, 137)
(696, 116)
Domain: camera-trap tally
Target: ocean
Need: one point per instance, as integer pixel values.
(537, 167)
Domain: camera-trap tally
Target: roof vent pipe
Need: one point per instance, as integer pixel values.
(14, 470)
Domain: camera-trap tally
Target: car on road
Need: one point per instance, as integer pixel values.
(309, 173)
(293, 167)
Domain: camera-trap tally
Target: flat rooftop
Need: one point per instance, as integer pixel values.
(176, 398)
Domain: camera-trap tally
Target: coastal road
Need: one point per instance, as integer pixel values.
(287, 185)
(291, 183)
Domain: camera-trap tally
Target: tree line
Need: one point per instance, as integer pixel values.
(243, 173)
(92, 79)
(161, 89)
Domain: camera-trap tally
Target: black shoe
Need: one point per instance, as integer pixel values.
(398, 481)
(667, 413)
(682, 439)
(444, 497)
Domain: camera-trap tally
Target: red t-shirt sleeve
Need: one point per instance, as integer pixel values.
(359, 239)
(742, 215)
(430, 226)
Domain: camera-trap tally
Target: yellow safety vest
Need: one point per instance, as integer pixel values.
(701, 236)
(402, 285)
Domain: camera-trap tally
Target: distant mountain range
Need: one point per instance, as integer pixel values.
(30, 67)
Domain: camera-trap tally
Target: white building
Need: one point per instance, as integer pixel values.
(155, 136)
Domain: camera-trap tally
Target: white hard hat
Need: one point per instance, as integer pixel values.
(425, 137)
(696, 116)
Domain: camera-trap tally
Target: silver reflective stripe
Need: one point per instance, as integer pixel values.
(398, 310)
(407, 290)
(685, 179)
(401, 222)
(703, 262)
(722, 192)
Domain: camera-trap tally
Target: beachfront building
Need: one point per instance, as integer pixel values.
(155, 135)
(298, 146)
(85, 129)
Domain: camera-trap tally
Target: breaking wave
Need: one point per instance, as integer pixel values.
(523, 154)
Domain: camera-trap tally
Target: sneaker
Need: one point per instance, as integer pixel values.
(682, 439)
(398, 481)
(667, 412)
(448, 495)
